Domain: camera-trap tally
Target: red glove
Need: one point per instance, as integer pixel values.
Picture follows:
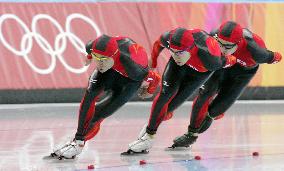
(277, 58)
(230, 61)
(154, 79)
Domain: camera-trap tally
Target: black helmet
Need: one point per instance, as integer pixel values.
(89, 46)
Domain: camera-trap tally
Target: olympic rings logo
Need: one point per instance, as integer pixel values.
(60, 43)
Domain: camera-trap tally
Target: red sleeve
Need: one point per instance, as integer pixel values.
(257, 49)
(157, 48)
(259, 41)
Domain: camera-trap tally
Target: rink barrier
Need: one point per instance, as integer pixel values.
(75, 95)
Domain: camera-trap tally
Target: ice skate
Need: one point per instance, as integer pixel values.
(69, 150)
(57, 151)
(72, 150)
(142, 145)
(184, 141)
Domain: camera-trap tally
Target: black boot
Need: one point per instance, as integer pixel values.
(187, 139)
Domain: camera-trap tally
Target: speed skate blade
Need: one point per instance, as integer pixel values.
(64, 158)
(51, 156)
(131, 153)
(174, 148)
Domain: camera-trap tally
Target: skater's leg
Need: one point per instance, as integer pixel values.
(170, 84)
(159, 108)
(120, 96)
(95, 87)
(234, 81)
(87, 106)
(230, 90)
(199, 110)
(190, 83)
(205, 95)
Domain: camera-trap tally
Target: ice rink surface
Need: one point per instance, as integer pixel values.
(29, 132)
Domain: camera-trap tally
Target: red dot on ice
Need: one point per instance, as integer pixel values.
(91, 166)
(197, 158)
(142, 162)
(255, 153)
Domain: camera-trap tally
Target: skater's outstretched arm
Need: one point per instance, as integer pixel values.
(257, 48)
(159, 45)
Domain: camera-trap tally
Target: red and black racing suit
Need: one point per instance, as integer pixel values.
(224, 87)
(122, 80)
(179, 82)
